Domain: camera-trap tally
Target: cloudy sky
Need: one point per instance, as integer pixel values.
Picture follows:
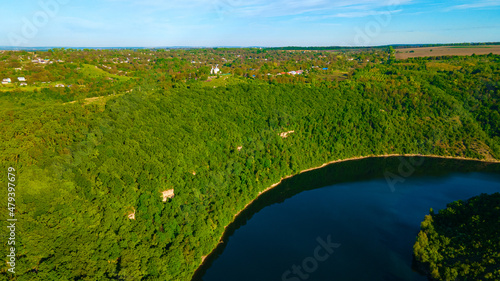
(155, 23)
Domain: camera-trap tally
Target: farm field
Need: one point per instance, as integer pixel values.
(405, 53)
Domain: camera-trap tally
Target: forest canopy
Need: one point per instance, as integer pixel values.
(90, 155)
(462, 242)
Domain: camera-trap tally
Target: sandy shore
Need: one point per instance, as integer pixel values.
(359, 158)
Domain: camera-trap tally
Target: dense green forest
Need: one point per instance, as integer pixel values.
(83, 167)
(462, 242)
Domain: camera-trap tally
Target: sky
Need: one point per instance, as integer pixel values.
(209, 23)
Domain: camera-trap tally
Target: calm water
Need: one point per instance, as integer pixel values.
(370, 230)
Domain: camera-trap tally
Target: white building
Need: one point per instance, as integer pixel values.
(6, 80)
(215, 70)
(21, 79)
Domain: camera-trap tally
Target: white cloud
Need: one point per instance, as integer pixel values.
(361, 14)
(356, 8)
(478, 4)
(266, 8)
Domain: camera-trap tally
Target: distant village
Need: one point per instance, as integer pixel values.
(22, 81)
(79, 69)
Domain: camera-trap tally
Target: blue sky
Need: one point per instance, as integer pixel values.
(155, 23)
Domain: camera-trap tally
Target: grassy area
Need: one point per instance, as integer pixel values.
(224, 80)
(442, 66)
(30, 87)
(333, 75)
(407, 64)
(87, 71)
(92, 71)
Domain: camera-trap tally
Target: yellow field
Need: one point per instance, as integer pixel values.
(405, 53)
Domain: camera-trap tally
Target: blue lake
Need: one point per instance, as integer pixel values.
(354, 230)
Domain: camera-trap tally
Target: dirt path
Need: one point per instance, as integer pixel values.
(93, 99)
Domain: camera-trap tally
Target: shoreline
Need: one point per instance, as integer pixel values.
(330, 163)
(352, 159)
